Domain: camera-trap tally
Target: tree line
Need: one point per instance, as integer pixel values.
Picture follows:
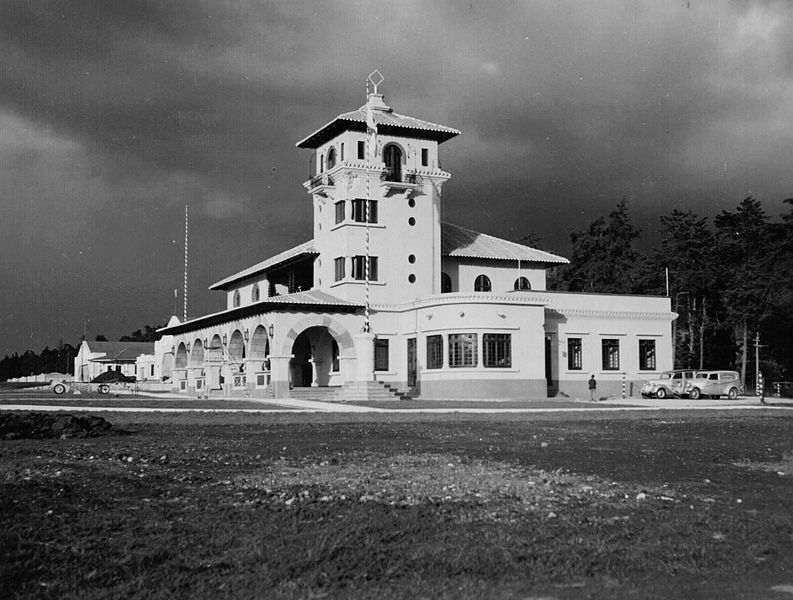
(61, 358)
(730, 280)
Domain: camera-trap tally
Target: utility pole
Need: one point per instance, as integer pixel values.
(702, 336)
(759, 387)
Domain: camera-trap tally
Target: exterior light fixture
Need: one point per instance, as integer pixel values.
(225, 339)
(206, 345)
(271, 330)
(246, 335)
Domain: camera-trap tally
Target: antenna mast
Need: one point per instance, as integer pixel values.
(184, 310)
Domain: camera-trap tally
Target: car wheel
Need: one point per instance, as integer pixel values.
(660, 393)
(732, 394)
(104, 388)
(59, 389)
(694, 394)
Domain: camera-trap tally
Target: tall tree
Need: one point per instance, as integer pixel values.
(604, 258)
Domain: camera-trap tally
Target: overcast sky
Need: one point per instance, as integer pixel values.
(115, 114)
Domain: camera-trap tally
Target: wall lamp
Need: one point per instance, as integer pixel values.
(246, 335)
(225, 339)
(271, 330)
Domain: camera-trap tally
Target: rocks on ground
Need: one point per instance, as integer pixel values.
(15, 426)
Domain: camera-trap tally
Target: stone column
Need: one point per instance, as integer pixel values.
(364, 346)
(279, 375)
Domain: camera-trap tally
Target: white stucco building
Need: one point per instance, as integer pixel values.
(94, 358)
(387, 296)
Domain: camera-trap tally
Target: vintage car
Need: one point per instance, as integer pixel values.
(670, 383)
(715, 384)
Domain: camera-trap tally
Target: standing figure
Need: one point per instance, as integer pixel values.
(593, 385)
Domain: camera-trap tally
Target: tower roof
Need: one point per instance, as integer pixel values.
(461, 242)
(388, 122)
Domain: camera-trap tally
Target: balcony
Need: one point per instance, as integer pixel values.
(320, 184)
(397, 182)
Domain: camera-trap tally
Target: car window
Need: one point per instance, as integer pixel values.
(677, 376)
(713, 376)
(728, 376)
(666, 375)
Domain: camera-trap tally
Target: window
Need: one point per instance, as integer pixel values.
(342, 152)
(434, 351)
(359, 211)
(334, 356)
(646, 355)
(611, 355)
(425, 157)
(380, 355)
(361, 150)
(521, 283)
(339, 211)
(462, 350)
(482, 284)
(235, 301)
(339, 267)
(359, 268)
(392, 156)
(255, 294)
(497, 350)
(151, 371)
(331, 158)
(574, 356)
(446, 283)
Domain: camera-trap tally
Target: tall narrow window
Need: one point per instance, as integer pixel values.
(342, 152)
(497, 350)
(334, 356)
(331, 158)
(647, 355)
(482, 284)
(425, 157)
(392, 156)
(255, 295)
(574, 356)
(434, 351)
(359, 266)
(611, 355)
(522, 284)
(235, 300)
(359, 211)
(361, 150)
(446, 283)
(338, 264)
(339, 211)
(380, 355)
(462, 350)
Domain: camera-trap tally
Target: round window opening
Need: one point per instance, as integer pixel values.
(412, 258)
(411, 221)
(412, 278)
(411, 203)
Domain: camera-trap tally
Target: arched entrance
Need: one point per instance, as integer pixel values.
(181, 357)
(315, 358)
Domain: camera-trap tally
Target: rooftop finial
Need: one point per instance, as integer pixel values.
(376, 78)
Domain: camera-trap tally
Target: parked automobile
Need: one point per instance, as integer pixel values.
(715, 384)
(670, 383)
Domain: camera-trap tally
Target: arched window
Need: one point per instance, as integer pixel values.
(255, 294)
(392, 156)
(235, 301)
(446, 283)
(331, 158)
(482, 284)
(521, 283)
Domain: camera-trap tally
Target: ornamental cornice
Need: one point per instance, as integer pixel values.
(474, 298)
(611, 314)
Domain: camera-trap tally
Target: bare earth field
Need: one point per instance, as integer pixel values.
(280, 505)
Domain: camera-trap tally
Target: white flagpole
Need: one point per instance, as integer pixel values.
(184, 311)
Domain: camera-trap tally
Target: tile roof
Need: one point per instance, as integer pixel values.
(120, 351)
(307, 298)
(386, 119)
(301, 250)
(462, 242)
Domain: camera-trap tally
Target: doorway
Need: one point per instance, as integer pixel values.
(412, 367)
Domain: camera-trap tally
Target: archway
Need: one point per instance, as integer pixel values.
(392, 156)
(197, 354)
(236, 350)
(260, 348)
(181, 357)
(313, 360)
(166, 367)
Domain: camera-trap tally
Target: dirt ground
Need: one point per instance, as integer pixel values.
(403, 506)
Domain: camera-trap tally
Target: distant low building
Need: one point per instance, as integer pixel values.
(94, 358)
(157, 366)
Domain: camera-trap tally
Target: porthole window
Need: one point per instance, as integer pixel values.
(412, 278)
(412, 203)
(411, 221)
(412, 258)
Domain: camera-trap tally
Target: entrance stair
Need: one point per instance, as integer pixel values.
(352, 391)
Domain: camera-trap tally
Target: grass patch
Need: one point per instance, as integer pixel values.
(293, 506)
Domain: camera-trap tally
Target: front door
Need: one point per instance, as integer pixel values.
(412, 362)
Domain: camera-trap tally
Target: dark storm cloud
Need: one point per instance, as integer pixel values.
(115, 114)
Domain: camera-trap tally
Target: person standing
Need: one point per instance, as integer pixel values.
(593, 385)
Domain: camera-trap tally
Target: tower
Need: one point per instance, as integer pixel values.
(384, 188)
